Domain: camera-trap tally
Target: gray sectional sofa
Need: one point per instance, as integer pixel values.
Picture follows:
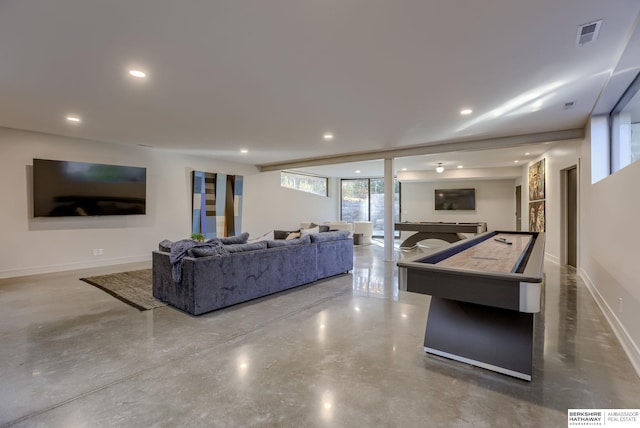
(211, 277)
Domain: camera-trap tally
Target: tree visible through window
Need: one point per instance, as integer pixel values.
(304, 183)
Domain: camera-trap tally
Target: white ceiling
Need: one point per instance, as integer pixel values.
(273, 76)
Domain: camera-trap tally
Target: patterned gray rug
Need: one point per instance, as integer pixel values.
(133, 288)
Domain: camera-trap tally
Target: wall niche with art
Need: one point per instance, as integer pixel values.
(537, 196)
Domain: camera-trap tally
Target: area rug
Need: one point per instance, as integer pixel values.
(133, 288)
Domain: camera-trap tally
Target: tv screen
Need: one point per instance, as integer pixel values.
(64, 189)
(455, 199)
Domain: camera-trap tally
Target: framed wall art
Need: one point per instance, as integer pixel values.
(536, 216)
(536, 181)
(217, 204)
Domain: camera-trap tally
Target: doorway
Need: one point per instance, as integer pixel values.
(572, 216)
(518, 208)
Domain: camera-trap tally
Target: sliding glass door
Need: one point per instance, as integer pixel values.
(355, 200)
(363, 200)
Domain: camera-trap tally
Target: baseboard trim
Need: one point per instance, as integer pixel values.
(37, 270)
(630, 348)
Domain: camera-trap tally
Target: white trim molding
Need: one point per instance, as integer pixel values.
(630, 348)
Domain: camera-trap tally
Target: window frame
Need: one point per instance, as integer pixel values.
(305, 175)
(621, 154)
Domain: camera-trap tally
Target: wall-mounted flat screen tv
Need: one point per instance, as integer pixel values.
(455, 199)
(65, 189)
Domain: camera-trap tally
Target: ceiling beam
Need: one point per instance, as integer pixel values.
(426, 149)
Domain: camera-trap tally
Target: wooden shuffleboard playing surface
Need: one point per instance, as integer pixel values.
(491, 255)
(485, 291)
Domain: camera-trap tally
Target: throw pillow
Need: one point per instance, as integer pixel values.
(306, 239)
(293, 235)
(315, 229)
(238, 239)
(266, 237)
(207, 250)
(330, 236)
(282, 234)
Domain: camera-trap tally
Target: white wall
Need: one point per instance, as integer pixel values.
(269, 206)
(495, 202)
(609, 246)
(37, 245)
(608, 250)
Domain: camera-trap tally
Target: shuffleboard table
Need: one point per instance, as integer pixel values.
(484, 292)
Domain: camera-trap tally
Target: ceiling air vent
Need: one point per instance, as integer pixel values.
(588, 33)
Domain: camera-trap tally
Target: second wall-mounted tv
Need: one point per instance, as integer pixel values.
(66, 189)
(455, 199)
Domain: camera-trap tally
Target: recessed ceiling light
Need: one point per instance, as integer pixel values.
(328, 136)
(404, 169)
(466, 111)
(460, 167)
(73, 118)
(527, 154)
(357, 171)
(138, 73)
(244, 151)
(516, 161)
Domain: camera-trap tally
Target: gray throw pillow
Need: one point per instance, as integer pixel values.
(282, 234)
(207, 250)
(238, 239)
(330, 236)
(288, 242)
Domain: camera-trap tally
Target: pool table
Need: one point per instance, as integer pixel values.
(484, 291)
(449, 232)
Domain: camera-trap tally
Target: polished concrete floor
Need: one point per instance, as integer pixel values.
(343, 352)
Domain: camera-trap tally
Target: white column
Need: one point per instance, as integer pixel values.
(388, 210)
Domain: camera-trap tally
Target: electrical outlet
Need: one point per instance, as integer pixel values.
(95, 251)
(620, 306)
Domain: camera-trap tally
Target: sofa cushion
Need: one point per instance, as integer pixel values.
(329, 236)
(252, 246)
(190, 248)
(165, 246)
(286, 242)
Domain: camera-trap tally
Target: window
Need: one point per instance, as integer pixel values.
(363, 200)
(624, 121)
(305, 183)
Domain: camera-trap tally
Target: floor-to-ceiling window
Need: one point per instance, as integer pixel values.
(362, 199)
